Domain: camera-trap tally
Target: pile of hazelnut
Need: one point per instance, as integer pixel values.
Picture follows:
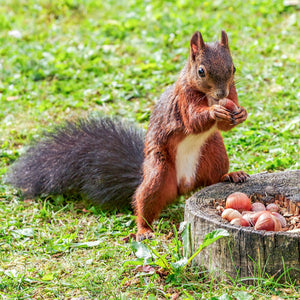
(240, 211)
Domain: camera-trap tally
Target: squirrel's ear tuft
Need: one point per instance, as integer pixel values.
(197, 44)
(224, 39)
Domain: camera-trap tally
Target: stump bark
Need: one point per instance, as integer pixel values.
(246, 253)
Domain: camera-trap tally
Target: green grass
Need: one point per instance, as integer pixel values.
(76, 57)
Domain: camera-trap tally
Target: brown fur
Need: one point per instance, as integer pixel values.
(184, 109)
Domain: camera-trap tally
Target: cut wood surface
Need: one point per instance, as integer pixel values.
(246, 252)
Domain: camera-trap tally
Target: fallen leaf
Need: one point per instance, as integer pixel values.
(145, 269)
(48, 277)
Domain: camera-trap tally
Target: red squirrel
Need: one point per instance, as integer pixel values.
(184, 149)
(112, 163)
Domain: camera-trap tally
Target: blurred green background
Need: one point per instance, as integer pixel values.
(68, 58)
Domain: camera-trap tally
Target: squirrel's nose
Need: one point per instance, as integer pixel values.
(221, 93)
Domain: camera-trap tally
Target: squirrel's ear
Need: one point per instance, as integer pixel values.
(197, 44)
(224, 39)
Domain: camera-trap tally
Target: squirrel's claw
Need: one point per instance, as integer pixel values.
(220, 113)
(236, 177)
(233, 121)
(239, 116)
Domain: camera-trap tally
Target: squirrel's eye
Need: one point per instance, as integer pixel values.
(234, 69)
(201, 72)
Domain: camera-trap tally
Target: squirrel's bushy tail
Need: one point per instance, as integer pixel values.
(97, 157)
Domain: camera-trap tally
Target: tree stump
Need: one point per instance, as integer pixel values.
(247, 253)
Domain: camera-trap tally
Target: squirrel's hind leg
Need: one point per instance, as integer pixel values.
(158, 188)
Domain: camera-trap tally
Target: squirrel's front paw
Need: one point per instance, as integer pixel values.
(232, 116)
(220, 113)
(239, 116)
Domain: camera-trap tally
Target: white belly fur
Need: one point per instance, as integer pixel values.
(188, 153)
